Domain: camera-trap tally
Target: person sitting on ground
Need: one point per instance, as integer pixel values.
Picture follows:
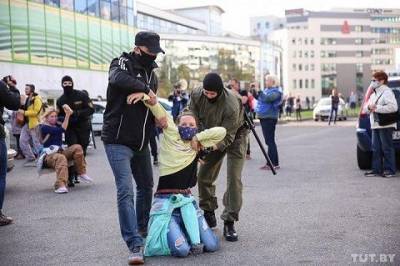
(54, 156)
(176, 225)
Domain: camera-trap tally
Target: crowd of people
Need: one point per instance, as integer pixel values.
(202, 129)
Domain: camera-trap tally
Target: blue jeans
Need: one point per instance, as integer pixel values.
(3, 170)
(383, 150)
(333, 110)
(124, 163)
(268, 126)
(177, 237)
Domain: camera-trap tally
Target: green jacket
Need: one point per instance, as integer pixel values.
(176, 154)
(226, 112)
(160, 216)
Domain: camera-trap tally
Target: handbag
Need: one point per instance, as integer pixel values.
(20, 119)
(385, 119)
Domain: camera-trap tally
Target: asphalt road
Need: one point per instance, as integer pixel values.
(318, 210)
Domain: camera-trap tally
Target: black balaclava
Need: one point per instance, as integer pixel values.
(67, 89)
(145, 59)
(213, 82)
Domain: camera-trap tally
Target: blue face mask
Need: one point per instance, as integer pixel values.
(187, 133)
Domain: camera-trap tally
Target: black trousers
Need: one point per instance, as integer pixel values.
(79, 134)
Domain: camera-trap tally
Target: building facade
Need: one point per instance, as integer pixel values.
(43, 40)
(336, 49)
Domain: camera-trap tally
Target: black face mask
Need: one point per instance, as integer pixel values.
(146, 60)
(68, 89)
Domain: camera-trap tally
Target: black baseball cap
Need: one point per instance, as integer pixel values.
(149, 39)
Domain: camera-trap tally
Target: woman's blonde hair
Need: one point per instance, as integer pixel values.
(48, 112)
(273, 78)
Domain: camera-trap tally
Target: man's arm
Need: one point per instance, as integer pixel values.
(120, 78)
(9, 99)
(230, 123)
(268, 96)
(87, 109)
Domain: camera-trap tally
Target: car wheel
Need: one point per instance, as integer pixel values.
(345, 118)
(364, 159)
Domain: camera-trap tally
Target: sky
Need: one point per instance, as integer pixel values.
(237, 12)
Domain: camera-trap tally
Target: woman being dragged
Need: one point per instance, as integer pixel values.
(177, 226)
(54, 156)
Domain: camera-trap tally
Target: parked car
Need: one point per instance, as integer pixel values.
(322, 110)
(10, 152)
(100, 107)
(364, 139)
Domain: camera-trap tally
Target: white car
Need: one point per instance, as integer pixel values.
(100, 107)
(322, 110)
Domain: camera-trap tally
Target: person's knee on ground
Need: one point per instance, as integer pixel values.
(177, 242)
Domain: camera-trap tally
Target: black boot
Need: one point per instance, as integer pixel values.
(230, 232)
(210, 218)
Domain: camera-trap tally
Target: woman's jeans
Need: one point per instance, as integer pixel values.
(383, 151)
(178, 241)
(268, 126)
(124, 163)
(3, 170)
(333, 110)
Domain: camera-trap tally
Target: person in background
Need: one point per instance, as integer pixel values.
(269, 100)
(179, 100)
(335, 100)
(353, 102)
(10, 100)
(297, 107)
(308, 102)
(54, 156)
(17, 119)
(78, 131)
(30, 131)
(234, 84)
(381, 101)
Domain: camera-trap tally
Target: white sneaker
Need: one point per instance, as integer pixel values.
(86, 178)
(61, 190)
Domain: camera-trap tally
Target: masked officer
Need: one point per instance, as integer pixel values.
(127, 129)
(216, 106)
(78, 131)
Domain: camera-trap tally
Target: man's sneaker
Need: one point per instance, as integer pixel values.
(230, 232)
(197, 249)
(388, 174)
(210, 218)
(61, 190)
(30, 163)
(136, 257)
(86, 178)
(5, 220)
(371, 174)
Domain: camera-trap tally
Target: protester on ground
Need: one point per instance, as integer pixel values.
(216, 106)
(335, 101)
(10, 100)
(126, 132)
(182, 229)
(32, 110)
(382, 101)
(269, 100)
(54, 156)
(78, 131)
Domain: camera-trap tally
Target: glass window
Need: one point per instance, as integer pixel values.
(294, 84)
(106, 45)
(306, 67)
(115, 10)
(53, 36)
(55, 3)
(300, 83)
(312, 41)
(294, 67)
(67, 4)
(305, 41)
(131, 17)
(312, 53)
(93, 8)
(5, 39)
(312, 67)
(306, 84)
(312, 84)
(94, 44)
(19, 26)
(300, 67)
(294, 41)
(68, 39)
(123, 16)
(37, 34)
(81, 6)
(82, 43)
(105, 9)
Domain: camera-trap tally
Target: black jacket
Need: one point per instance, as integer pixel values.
(8, 99)
(128, 124)
(80, 104)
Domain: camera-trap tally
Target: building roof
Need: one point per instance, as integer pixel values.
(221, 11)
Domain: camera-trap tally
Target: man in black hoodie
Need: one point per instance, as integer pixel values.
(126, 132)
(78, 131)
(11, 100)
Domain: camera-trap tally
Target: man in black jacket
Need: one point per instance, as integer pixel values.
(11, 100)
(78, 131)
(126, 132)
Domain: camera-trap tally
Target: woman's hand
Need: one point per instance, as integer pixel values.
(134, 97)
(195, 143)
(68, 111)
